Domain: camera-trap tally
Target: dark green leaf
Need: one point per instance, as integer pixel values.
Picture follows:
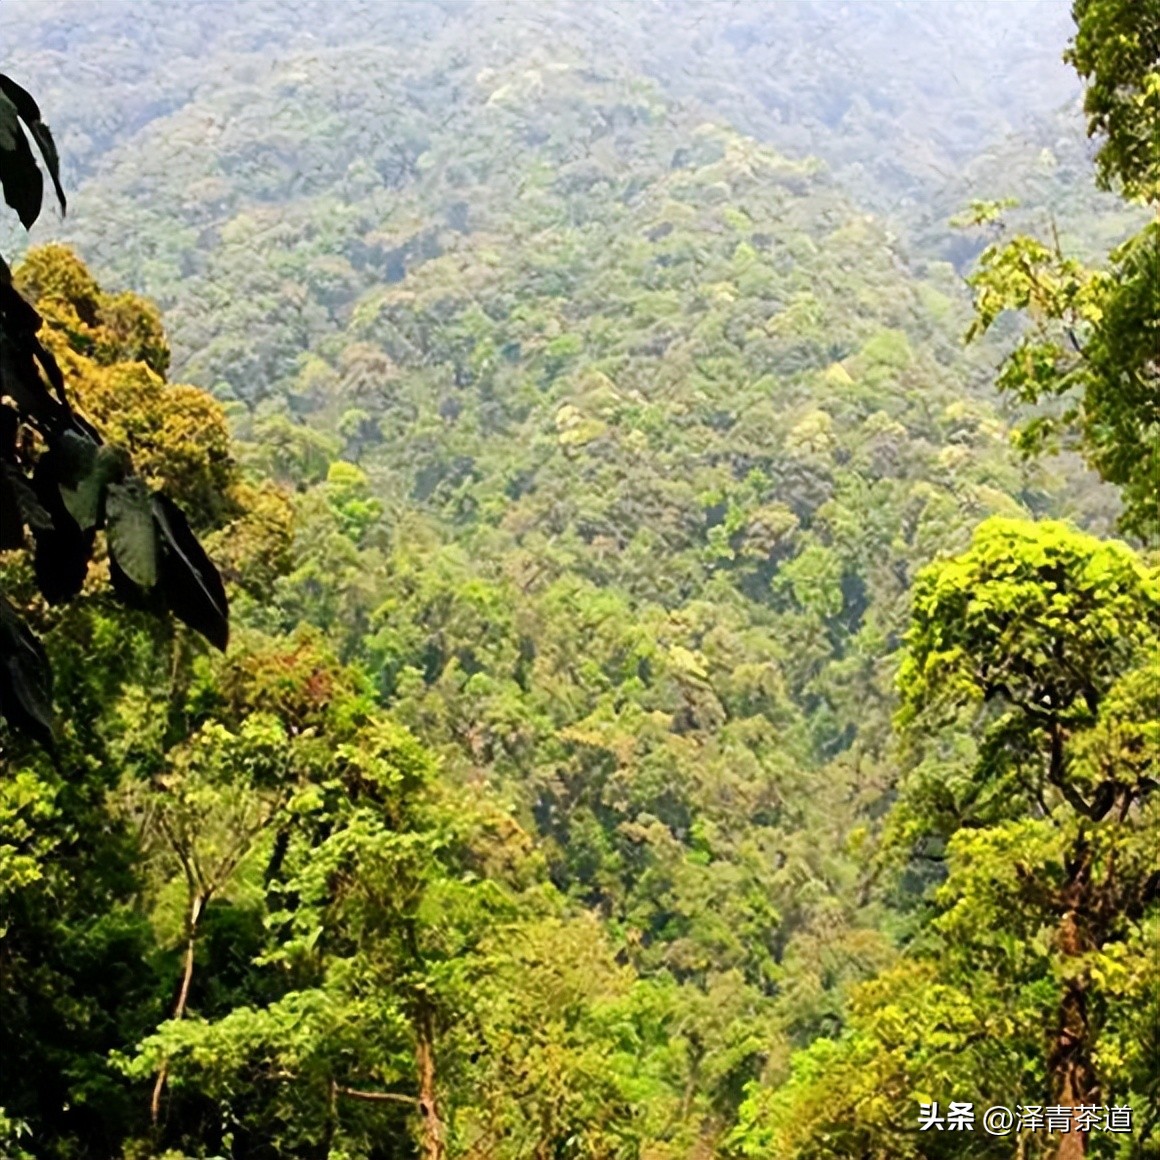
(19, 173)
(61, 561)
(145, 600)
(85, 471)
(25, 678)
(131, 532)
(30, 114)
(63, 549)
(193, 588)
(74, 455)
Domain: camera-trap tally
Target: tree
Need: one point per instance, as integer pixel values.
(1054, 636)
(1091, 343)
(61, 481)
(1116, 50)
(371, 932)
(1037, 648)
(207, 811)
(1093, 335)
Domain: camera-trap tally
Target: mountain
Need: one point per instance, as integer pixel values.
(606, 365)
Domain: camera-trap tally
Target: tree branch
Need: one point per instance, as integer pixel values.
(374, 1097)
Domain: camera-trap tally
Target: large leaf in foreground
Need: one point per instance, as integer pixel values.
(29, 113)
(25, 678)
(63, 550)
(131, 532)
(19, 173)
(193, 589)
(74, 461)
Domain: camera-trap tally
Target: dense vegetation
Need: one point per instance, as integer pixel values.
(665, 714)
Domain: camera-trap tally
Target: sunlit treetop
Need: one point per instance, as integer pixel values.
(1117, 52)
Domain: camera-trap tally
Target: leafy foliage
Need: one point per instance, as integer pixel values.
(1092, 338)
(58, 478)
(1092, 344)
(1117, 51)
(578, 457)
(22, 180)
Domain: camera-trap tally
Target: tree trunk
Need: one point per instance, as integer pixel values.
(1074, 1080)
(434, 1137)
(1073, 1076)
(197, 906)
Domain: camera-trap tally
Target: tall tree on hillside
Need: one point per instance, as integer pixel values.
(1052, 638)
(1029, 707)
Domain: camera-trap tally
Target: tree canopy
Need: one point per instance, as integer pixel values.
(1092, 338)
(665, 715)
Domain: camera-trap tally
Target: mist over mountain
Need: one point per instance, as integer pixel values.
(884, 93)
(221, 111)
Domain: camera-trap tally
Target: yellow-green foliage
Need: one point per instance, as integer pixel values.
(114, 354)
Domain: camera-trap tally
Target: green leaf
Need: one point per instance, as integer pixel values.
(25, 678)
(193, 589)
(29, 113)
(19, 173)
(63, 550)
(85, 471)
(131, 532)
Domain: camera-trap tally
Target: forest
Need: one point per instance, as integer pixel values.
(579, 580)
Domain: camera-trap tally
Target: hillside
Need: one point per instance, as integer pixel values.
(597, 393)
(892, 91)
(232, 127)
